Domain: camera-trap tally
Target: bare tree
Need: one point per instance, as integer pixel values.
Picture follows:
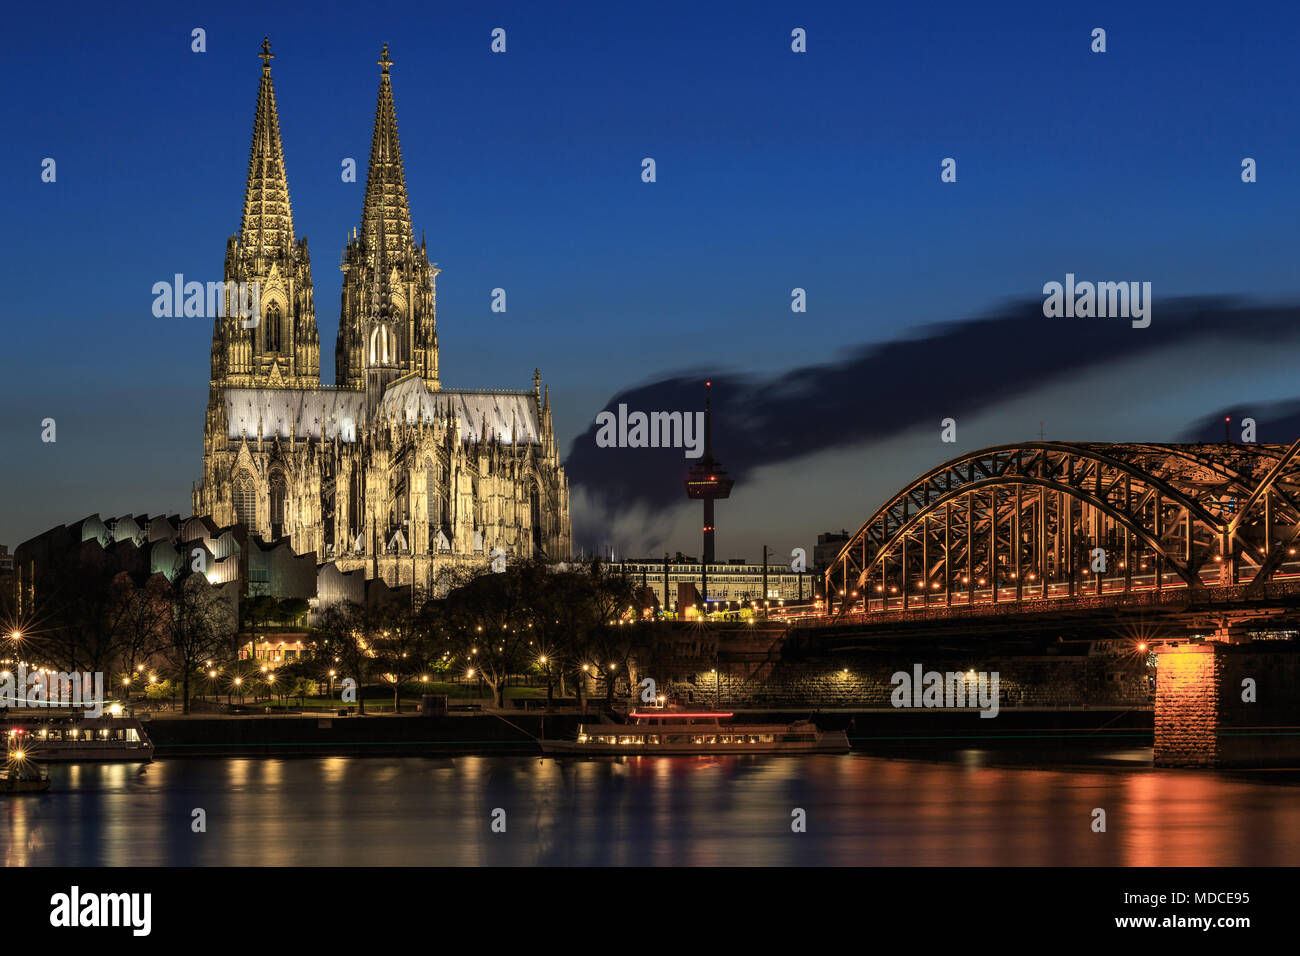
(487, 622)
(142, 614)
(400, 648)
(346, 631)
(202, 625)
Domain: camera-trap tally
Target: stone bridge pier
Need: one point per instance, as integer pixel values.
(1221, 704)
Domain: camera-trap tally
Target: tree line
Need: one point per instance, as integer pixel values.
(562, 623)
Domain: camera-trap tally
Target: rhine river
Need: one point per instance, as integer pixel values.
(968, 809)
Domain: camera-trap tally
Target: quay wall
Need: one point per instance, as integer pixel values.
(388, 735)
(865, 679)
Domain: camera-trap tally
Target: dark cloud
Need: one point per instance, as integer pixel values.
(1276, 423)
(871, 392)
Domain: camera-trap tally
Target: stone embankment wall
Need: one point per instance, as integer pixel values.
(866, 683)
(752, 668)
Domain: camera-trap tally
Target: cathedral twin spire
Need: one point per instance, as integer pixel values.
(385, 273)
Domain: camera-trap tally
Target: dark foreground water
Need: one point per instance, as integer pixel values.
(679, 811)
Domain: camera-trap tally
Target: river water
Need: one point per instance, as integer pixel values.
(674, 811)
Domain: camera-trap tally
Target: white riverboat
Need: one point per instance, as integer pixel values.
(667, 731)
(65, 734)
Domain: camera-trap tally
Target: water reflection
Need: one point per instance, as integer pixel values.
(337, 811)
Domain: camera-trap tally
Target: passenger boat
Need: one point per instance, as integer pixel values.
(64, 734)
(666, 731)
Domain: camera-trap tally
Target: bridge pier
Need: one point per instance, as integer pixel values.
(1228, 705)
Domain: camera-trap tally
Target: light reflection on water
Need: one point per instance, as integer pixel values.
(678, 811)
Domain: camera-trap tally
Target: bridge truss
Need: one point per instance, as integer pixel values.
(1029, 521)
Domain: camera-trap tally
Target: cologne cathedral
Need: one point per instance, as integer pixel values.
(385, 470)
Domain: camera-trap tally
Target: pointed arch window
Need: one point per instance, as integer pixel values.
(279, 495)
(356, 515)
(535, 514)
(245, 500)
(273, 324)
(435, 499)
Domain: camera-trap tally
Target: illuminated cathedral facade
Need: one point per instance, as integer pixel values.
(385, 470)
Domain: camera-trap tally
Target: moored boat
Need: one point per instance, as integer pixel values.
(65, 734)
(667, 731)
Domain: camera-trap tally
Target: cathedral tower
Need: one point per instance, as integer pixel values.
(281, 345)
(383, 269)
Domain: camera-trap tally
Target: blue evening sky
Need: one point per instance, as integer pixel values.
(775, 170)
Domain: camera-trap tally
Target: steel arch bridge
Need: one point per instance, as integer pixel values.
(1027, 522)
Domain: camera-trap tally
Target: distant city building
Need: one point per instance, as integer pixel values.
(136, 545)
(173, 546)
(829, 544)
(735, 582)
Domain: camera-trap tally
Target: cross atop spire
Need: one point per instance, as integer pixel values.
(266, 54)
(383, 61)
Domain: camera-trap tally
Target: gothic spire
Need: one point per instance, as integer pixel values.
(268, 221)
(386, 201)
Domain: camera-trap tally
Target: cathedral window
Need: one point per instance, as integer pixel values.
(435, 497)
(535, 514)
(383, 347)
(356, 518)
(279, 494)
(272, 331)
(246, 501)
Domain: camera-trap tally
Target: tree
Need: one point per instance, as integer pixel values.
(344, 630)
(487, 627)
(558, 622)
(291, 611)
(603, 641)
(72, 603)
(261, 608)
(201, 626)
(400, 648)
(143, 614)
(162, 690)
